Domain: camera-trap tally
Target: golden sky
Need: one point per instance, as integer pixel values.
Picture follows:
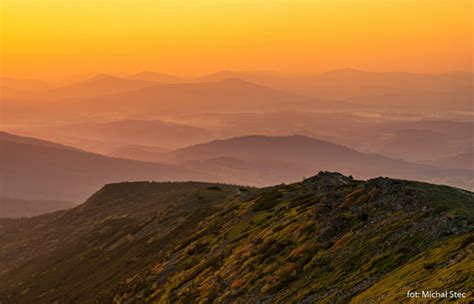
(65, 38)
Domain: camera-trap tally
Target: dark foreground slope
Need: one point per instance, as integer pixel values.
(326, 239)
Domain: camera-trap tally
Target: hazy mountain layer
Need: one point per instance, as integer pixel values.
(110, 97)
(411, 137)
(389, 90)
(16, 208)
(105, 137)
(266, 160)
(42, 172)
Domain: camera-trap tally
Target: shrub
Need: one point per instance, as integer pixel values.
(267, 201)
(214, 188)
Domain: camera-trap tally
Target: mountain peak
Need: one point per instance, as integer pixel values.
(328, 180)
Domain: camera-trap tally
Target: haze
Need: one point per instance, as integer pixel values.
(254, 93)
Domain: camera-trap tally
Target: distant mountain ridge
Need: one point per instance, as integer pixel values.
(50, 172)
(105, 137)
(225, 95)
(268, 159)
(4, 136)
(108, 97)
(238, 92)
(461, 161)
(384, 90)
(99, 85)
(41, 170)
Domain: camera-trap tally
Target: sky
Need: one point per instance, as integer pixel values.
(66, 38)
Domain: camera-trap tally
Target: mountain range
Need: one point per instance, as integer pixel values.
(101, 84)
(110, 137)
(150, 95)
(203, 188)
(35, 170)
(379, 89)
(328, 238)
(107, 97)
(420, 140)
(226, 95)
(400, 90)
(40, 170)
(265, 160)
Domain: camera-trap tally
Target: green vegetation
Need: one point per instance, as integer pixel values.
(327, 239)
(447, 198)
(448, 266)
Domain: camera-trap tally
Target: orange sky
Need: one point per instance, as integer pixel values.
(65, 38)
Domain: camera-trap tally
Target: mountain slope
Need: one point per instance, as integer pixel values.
(108, 97)
(40, 172)
(419, 141)
(131, 132)
(88, 240)
(106, 137)
(267, 160)
(4, 136)
(328, 238)
(227, 95)
(137, 152)
(461, 161)
(99, 85)
(394, 90)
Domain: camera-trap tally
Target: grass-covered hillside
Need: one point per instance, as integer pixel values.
(323, 240)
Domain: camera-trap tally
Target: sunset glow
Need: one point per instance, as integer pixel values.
(57, 39)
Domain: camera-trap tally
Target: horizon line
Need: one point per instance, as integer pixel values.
(275, 73)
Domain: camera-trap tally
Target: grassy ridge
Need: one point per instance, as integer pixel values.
(327, 239)
(324, 240)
